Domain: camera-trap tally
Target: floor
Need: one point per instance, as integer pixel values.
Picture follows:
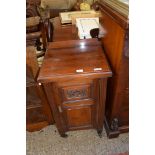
(84, 142)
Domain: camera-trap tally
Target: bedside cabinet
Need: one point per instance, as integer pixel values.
(74, 75)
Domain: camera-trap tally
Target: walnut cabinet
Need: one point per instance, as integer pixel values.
(74, 75)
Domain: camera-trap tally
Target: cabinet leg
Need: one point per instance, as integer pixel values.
(112, 130)
(99, 133)
(64, 135)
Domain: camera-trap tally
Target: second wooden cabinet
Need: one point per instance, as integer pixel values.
(116, 46)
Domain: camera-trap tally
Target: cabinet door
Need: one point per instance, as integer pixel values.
(79, 114)
(78, 106)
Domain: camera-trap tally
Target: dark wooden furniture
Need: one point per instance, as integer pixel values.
(74, 74)
(116, 46)
(38, 113)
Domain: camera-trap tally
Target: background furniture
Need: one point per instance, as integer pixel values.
(116, 46)
(53, 6)
(34, 32)
(77, 98)
(39, 29)
(38, 113)
(69, 31)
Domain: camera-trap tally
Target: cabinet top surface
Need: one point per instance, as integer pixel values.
(74, 59)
